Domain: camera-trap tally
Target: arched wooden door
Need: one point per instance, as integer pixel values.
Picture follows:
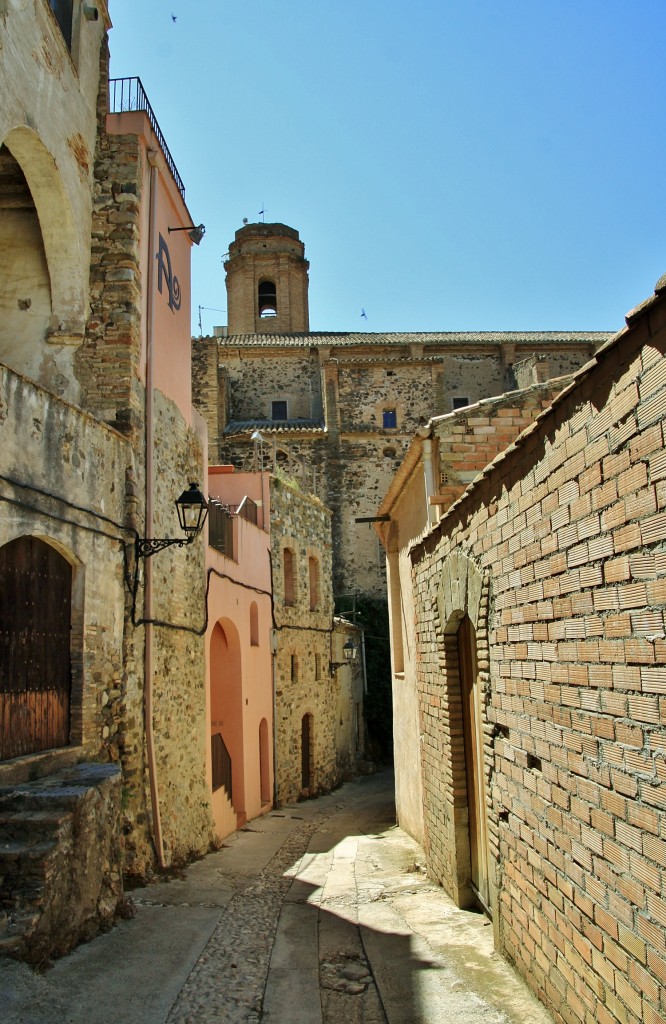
(35, 661)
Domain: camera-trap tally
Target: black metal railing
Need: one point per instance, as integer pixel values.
(248, 509)
(128, 94)
(221, 759)
(220, 528)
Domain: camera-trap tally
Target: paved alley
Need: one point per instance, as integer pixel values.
(319, 913)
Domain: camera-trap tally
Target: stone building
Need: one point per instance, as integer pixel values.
(537, 674)
(318, 693)
(348, 403)
(102, 679)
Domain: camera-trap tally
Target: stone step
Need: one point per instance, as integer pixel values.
(38, 796)
(33, 826)
(14, 927)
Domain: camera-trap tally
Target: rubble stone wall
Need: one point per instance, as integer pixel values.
(304, 685)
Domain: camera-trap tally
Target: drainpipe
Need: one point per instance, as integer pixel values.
(429, 479)
(148, 593)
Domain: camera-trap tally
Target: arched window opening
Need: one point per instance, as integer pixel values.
(35, 655)
(267, 298)
(25, 286)
(313, 574)
(254, 625)
(289, 577)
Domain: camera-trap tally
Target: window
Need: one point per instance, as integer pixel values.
(63, 15)
(313, 573)
(317, 666)
(390, 418)
(279, 410)
(289, 577)
(460, 402)
(267, 299)
(254, 625)
(294, 668)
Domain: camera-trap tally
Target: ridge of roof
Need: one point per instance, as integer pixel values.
(338, 339)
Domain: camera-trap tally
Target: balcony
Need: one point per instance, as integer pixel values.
(128, 95)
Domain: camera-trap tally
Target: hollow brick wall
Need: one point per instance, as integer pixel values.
(570, 531)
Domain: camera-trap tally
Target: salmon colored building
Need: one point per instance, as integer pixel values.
(238, 643)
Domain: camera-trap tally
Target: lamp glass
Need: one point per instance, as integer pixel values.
(192, 510)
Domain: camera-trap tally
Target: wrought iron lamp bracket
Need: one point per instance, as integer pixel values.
(147, 546)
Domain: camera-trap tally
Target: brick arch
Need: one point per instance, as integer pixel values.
(59, 233)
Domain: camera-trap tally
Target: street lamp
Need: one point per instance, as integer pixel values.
(192, 510)
(349, 653)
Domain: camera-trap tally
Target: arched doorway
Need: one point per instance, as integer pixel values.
(264, 774)
(35, 639)
(473, 747)
(307, 755)
(226, 712)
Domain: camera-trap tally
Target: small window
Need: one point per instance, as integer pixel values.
(254, 625)
(289, 577)
(279, 410)
(313, 572)
(390, 418)
(317, 666)
(460, 402)
(63, 15)
(294, 668)
(267, 299)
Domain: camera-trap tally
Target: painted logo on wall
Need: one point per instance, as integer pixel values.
(164, 272)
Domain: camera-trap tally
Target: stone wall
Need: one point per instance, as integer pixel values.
(304, 643)
(63, 480)
(107, 364)
(556, 556)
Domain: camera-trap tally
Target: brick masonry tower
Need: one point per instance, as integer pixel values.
(267, 281)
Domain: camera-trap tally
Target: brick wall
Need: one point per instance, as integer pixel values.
(566, 537)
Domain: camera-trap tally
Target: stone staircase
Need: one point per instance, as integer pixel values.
(60, 878)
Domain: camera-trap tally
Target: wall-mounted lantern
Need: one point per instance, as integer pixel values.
(349, 653)
(192, 510)
(195, 231)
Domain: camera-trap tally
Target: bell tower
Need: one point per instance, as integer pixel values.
(267, 281)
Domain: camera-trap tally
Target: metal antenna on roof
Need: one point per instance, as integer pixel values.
(262, 213)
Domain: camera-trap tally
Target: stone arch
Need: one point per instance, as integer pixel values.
(59, 234)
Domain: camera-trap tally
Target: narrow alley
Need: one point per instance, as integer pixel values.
(317, 913)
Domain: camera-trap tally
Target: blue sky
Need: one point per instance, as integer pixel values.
(449, 164)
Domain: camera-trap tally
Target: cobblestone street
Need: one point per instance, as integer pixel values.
(318, 913)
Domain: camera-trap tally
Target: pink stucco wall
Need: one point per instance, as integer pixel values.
(240, 686)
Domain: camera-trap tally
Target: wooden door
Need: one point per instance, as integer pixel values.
(35, 666)
(473, 742)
